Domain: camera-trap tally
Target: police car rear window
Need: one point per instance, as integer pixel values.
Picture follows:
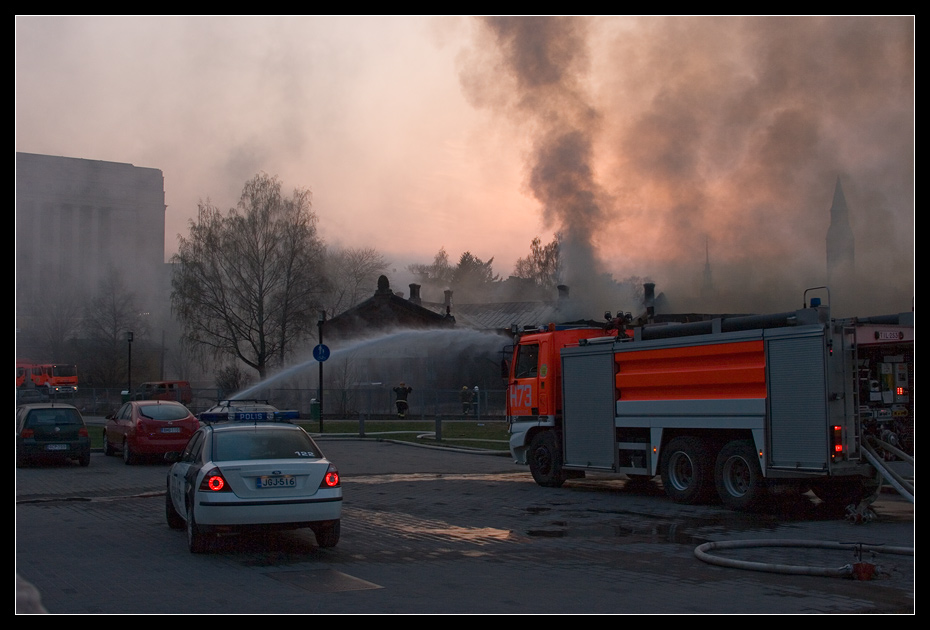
(259, 444)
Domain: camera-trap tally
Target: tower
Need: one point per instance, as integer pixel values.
(841, 253)
(707, 286)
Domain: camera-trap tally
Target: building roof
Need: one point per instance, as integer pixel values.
(385, 309)
(501, 315)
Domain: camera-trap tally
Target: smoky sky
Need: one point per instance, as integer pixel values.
(535, 74)
(655, 144)
(649, 143)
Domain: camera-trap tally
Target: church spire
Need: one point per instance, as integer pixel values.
(841, 252)
(707, 286)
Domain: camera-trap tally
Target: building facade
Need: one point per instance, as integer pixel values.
(77, 220)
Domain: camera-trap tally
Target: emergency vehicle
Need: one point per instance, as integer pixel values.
(734, 406)
(56, 378)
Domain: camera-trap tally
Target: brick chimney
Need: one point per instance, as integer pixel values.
(649, 299)
(415, 294)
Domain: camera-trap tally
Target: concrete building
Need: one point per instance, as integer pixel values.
(77, 220)
(80, 223)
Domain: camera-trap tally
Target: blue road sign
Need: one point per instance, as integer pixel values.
(321, 352)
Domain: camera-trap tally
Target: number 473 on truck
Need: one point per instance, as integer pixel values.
(734, 406)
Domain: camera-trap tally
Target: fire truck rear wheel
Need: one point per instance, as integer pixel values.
(687, 470)
(545, 458)
(738, 476)
(839, 494)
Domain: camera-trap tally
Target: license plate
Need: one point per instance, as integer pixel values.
(56, 447)
(171, 429)
(284, 481)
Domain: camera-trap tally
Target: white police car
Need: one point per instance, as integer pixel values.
(251, 474)
(235, 409)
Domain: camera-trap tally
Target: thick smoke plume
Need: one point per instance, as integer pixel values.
(538, 78)
(652, 139)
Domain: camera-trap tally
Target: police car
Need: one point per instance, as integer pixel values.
(245, 409)
(252, 473)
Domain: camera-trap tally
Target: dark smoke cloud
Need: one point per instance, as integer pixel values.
(540, 65)
(654, 138)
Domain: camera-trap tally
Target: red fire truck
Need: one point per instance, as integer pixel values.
(734, 406)
(55, 378)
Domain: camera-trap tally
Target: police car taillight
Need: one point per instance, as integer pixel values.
(331, 478)
(213, 481)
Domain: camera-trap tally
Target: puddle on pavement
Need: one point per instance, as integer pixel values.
(665, 532)
(682, 524)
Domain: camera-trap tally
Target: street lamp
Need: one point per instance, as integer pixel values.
(129, 364)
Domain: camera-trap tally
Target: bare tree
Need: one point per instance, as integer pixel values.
(56, 317)
(111, 313)
(231, 379)
(438, 274)
(543, 265)
(353, 276)
(248, 284)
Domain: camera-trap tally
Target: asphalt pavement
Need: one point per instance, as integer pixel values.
(435, 531)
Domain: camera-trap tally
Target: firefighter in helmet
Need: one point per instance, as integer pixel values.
(466, 398)
(401, 392)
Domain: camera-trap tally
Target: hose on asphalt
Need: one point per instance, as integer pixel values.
(702, 552)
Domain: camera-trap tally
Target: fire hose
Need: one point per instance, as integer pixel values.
(904, 488)
(859, 570)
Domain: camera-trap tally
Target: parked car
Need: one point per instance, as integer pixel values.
(148, 427)
(260, 410)
(250, 475)
(30, 395)
(51, 431)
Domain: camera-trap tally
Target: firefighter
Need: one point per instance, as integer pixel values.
(401, 392)
(465, 397)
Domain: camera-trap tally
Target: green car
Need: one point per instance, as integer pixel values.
(51, 431)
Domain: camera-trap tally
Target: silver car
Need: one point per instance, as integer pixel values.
(247, 475)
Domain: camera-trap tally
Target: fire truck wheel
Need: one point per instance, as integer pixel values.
(687, 470)
(738, 476)
(839, 494)
(545, 458)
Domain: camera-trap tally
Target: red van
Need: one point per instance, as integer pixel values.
(179, 391)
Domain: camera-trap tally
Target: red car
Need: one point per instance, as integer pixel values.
(148, 427)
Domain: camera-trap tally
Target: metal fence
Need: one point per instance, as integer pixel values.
(364, 402)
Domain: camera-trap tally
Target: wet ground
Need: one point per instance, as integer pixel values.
(431, 531)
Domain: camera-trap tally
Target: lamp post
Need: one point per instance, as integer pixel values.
(129, 364)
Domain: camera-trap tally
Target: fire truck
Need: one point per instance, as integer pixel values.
(733, 406)
(56, 378)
